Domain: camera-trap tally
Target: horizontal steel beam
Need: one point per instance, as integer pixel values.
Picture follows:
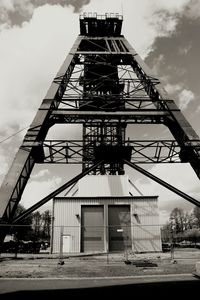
(130, 113)
(100, 52)
(130, 117)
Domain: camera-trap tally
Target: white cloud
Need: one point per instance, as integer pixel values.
(157, 63)
(163, 217)
(8, 150)
(7, 4)
(181, 176)
(193, 9)
(42, 173)
(30, 57)
(163, 23)
(185, 97)
(172, 88)
(4, 165)
(17, 10)
(185, 50)
(142, 18)
(37, 190)
(198, 109)
(171, 6)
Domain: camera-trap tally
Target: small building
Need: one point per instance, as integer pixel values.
(104, 217)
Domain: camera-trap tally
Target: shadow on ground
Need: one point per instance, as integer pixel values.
(157, 290)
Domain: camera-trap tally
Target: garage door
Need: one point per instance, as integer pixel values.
(92, 228)
(119, 227)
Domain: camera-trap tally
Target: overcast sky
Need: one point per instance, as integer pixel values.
(36, 36)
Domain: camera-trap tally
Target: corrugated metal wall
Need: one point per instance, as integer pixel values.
(145, 229)
(66, 222)
(144, 221)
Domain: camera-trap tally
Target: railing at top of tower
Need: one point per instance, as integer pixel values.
(101, 16)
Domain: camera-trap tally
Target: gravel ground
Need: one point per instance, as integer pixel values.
(114, 265)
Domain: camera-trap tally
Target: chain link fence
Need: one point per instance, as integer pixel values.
(74, 241)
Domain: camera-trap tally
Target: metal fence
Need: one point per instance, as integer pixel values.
(125, 242)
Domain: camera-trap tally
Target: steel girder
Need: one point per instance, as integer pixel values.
(97, 117)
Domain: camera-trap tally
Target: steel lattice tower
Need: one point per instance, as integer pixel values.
(103, 85)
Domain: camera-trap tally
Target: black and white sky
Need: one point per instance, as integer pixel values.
(35, 38)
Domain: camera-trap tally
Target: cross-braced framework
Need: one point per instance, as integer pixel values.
(143, 151)
(104, 86)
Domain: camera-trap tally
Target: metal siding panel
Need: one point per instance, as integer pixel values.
(146, 229)
(65, 215)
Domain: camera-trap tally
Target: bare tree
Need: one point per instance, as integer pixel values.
(37, 223)
(177, 220)
(46, 218)
(196, 213)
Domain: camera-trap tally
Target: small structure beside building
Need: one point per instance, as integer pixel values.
(104, 217)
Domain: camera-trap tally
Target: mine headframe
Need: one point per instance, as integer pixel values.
(104, 86)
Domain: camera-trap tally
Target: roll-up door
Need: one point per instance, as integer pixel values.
(92, 228)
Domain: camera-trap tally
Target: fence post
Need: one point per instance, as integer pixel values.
(172, 245)
(126, 244)
(61, 246)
